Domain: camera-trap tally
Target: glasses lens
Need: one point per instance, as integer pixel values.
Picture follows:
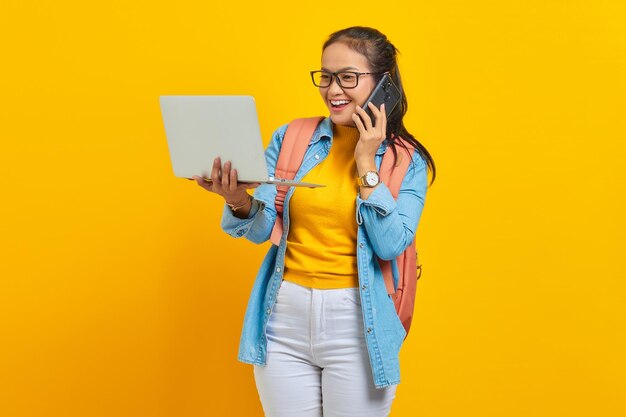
(347, 79)
(321, 78)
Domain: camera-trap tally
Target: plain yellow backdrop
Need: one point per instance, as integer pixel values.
(120, 296)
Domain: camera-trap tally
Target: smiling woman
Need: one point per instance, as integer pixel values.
(310, 329)
(351, 89)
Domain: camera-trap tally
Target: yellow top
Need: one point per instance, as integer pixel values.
(321, 245)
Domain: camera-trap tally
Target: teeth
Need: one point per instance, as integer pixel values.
(339, 102)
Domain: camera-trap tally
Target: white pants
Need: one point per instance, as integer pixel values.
(317, 361)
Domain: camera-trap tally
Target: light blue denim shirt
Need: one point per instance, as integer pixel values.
(385, 228)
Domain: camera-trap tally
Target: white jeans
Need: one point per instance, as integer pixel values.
(317, 361)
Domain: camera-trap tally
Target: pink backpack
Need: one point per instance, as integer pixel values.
(392, 172)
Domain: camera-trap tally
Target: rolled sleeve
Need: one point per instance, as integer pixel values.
(380, 200)
(235, 226)
(391, 224)
(257, 227)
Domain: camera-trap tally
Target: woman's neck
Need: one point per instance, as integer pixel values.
(348, 132)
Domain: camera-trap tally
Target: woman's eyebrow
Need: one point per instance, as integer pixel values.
(341, 69)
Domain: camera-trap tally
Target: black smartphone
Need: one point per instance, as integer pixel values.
(386, 92)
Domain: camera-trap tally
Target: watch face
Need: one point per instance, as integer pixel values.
(371, 178)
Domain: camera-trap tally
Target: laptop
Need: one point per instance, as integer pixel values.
(201, 128)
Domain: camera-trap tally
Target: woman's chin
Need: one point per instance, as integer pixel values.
(342, 120)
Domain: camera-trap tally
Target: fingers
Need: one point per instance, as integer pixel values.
(380, 117)
(232, 180)
(207, 185)
(215, 173)
(380, 127)
(375, 111)
(364, 123)
(224, 180)
(383, 121)
(365, 118)
(358, 122)
(226, 176)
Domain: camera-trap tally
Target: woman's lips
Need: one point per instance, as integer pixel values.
(339, 105)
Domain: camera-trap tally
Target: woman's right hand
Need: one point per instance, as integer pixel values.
(224, 182)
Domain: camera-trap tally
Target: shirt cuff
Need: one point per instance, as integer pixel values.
(380, 200)
(235, 226)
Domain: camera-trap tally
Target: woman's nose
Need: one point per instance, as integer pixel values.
(334, 86)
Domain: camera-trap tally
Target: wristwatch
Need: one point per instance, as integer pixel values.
(369, 180)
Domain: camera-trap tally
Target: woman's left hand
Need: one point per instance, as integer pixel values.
(371, 136)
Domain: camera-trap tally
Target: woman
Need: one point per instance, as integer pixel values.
(320, 327)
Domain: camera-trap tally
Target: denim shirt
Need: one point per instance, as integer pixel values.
(385, 228)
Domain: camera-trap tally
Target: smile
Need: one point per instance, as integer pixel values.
(338, 105)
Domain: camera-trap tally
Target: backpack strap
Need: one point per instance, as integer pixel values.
(294, 146)
(392, 172)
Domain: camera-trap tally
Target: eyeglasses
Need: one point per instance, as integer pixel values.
(345, 79)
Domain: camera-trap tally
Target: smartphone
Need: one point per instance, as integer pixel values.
(385, 92)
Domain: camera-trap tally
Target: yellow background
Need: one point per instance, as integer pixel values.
(120, 296)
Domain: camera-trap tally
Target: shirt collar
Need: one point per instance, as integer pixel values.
(323, 131)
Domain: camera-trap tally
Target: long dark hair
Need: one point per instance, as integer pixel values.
(381, 55)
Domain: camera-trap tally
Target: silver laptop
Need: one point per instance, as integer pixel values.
(201, 128)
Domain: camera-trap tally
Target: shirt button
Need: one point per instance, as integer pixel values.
(317, 156)
(278, 269)
(364, 287)
(269, 310)
(369, 330)
(361, 245)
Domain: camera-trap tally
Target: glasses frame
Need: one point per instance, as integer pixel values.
(333, 76)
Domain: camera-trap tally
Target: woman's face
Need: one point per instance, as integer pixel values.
(342, 102)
